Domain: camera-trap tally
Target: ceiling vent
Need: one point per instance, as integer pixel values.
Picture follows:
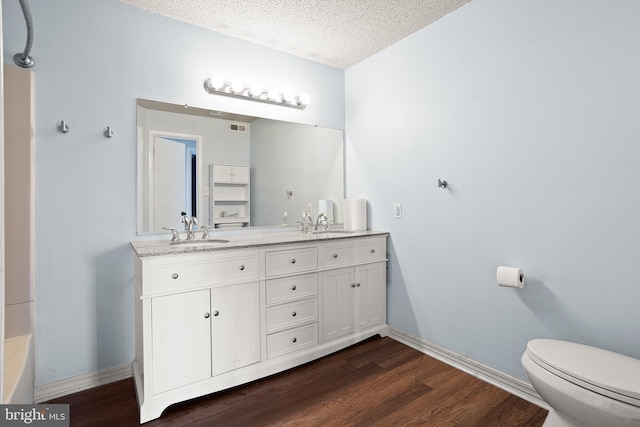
(238, 127)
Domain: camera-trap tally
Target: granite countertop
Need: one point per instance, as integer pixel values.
(151, 248)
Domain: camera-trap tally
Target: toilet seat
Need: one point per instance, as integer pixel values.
(601, 371)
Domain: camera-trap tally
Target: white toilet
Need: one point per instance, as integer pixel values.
(585, 386)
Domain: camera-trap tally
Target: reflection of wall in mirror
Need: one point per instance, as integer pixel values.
(219, 144)
(305, 159)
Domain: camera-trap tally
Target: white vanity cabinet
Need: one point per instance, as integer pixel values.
(207, 321)
(354, 297)
(198, 334)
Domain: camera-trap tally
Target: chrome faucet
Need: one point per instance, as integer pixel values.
(188, 224)
(322, 218)
(175, 237)
(205, 231)
(306, 223)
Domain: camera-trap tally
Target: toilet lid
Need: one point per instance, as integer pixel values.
(600, 371)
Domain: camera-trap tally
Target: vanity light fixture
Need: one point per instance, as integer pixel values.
(218, 86)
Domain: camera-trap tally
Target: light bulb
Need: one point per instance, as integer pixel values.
(255, 91)
(274, 95)
(289, 96)
(305, 99)
(217, 82)
(237, 86)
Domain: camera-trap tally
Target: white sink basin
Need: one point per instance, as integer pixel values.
(200, 242)
(332, 232)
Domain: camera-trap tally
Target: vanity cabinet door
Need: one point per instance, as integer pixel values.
(338, 299)
(181, 340)
(371, 295)
(235, 326)
(353, 299)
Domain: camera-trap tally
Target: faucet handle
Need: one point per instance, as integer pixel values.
(205, 231)
(175, 237)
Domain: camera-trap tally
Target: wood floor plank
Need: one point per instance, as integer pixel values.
(379, 382)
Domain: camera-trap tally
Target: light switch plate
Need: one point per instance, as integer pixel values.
(397, 210)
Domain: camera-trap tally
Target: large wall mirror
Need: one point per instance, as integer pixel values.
(233, 171)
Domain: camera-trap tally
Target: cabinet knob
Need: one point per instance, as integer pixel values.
(358, 284)
(206, 315)
(353, 285)
(294, 339)
(241, 267)
(335, 255)
(373, 251)
(294, 287)
(174, 276)
(294, 314)
(293, 260)
(215, 313)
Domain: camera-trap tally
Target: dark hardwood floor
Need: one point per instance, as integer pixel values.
(379, 382)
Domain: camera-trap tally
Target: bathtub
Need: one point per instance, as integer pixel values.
(18, 370)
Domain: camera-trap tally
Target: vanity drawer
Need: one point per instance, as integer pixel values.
(191, 271)
(291, 261)
(292, 288)
(291, 340)
(352, 252)
(291, 314)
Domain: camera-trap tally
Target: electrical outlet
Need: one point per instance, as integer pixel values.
(397, 210)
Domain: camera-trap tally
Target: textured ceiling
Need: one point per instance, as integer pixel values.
(339, 33)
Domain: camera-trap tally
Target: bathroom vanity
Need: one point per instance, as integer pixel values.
(210, 316)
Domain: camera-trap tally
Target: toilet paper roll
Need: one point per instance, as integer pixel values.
(510, 276)
(355, 214)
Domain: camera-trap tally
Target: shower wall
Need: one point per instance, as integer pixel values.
(19, 201)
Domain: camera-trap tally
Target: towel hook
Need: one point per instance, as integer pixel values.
(109, 132)
(442, 183)
(63, 127)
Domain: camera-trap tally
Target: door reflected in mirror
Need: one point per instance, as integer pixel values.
(188, 158)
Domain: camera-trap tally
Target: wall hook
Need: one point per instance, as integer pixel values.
(109, 132)
(63, 127)
(289, 193)
(442, 183)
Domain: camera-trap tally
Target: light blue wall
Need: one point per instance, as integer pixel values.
(530, 110)
(93, 59)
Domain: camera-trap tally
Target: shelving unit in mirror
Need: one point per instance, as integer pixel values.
(230, 195)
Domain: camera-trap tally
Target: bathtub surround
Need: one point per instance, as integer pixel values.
(528, 109)
(19, 222)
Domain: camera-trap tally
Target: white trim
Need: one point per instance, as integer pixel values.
(71, 385)
(478, 370)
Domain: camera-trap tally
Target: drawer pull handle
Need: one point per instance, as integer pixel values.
(294, 339)
(206, 315)
(216, 313)
(358, 284)
(293, 288)
(293, 260)
(294, 314)
(335, 256)
(373, 251)
(241, 267)
(174, 276)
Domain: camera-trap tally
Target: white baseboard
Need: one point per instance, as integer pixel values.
(478, 370)
(71, 385)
